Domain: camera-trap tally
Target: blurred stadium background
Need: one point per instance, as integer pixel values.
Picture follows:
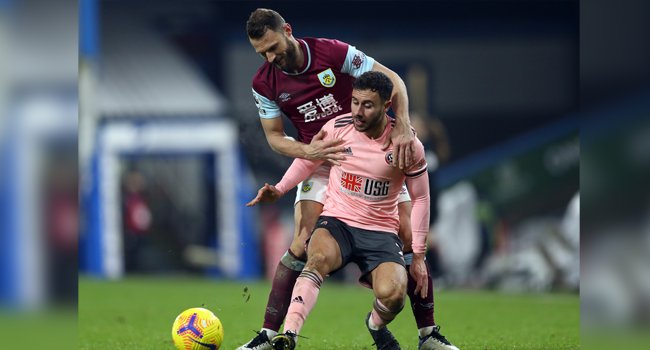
(169, 145)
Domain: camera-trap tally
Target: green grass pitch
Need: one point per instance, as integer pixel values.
(137, 314)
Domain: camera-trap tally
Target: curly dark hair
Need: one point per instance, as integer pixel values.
(261, 20)
(377, 82)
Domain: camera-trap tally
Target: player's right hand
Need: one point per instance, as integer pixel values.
(324, 150)
(266, 194)
(419, 273)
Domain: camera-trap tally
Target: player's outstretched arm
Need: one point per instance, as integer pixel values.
(401, 136)
(285, 145)
(266, 194)
(297, 172)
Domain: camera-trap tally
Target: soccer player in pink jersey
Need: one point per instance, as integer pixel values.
(360, 220)
(310, 82)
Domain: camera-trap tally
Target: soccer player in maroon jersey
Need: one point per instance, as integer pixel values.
(360, 221)
(310, 82)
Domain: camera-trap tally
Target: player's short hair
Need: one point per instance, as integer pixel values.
(377, 82)
(261, 20)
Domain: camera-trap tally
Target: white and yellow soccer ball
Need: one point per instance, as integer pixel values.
(197, 329)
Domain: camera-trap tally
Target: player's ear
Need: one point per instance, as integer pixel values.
(287, 29)
(387, 105)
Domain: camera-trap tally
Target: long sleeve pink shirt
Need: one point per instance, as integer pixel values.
(364, 190)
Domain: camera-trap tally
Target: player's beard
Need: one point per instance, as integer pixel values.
(290, 58)
(371, 123)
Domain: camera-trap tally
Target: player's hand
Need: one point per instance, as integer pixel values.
(403, 142)
(419, 273)
(266, 194)
(324, 150)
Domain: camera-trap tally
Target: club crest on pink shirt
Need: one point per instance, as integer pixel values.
(389, 158)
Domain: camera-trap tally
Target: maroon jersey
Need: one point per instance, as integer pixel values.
(320, 91)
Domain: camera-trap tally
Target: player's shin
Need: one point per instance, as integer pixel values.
(422, 307)
(382, 315)
(286, 274)
(303, 300)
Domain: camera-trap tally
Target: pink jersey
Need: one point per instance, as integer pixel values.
(364, 190)
(319, 92)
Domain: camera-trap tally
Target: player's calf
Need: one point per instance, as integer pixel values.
(287, 272)
(422, 307)
(303, 300)
(384, 313)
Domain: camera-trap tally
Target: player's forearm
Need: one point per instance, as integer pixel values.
(420, 201)
(420, 222)
(400, 100)
(287, 146)
(297, 172)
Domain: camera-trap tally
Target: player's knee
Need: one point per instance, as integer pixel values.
(298, 248)
(394, 302)
(392, 295)
(318, 261)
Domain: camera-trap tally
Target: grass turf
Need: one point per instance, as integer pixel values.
(137, 314)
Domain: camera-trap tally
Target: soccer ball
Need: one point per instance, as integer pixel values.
(197, 329)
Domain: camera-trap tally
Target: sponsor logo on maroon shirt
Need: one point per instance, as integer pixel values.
(328, 106)
(358, 59)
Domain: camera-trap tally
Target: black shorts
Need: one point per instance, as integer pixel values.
(367, 249)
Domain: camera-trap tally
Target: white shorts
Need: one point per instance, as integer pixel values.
(315, 186)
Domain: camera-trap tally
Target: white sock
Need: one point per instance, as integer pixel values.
(270, 333)
(371, 325)
(424, 331)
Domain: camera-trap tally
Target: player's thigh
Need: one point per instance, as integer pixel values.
(389, 279)
(405, 229)
(309, 202)
(306, 214)
(324, 252)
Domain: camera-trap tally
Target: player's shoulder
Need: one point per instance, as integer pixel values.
(392, 125)
(418, 143)
(330, 50)
(338, 123)
(262, 81)
(323, 42)
(342, 121)
(264, 73)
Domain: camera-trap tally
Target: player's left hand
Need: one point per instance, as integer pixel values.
(403, 141)
(266, 194)
(419, 273)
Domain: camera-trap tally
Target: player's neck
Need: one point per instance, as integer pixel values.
(379, 129)
(300, 55)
